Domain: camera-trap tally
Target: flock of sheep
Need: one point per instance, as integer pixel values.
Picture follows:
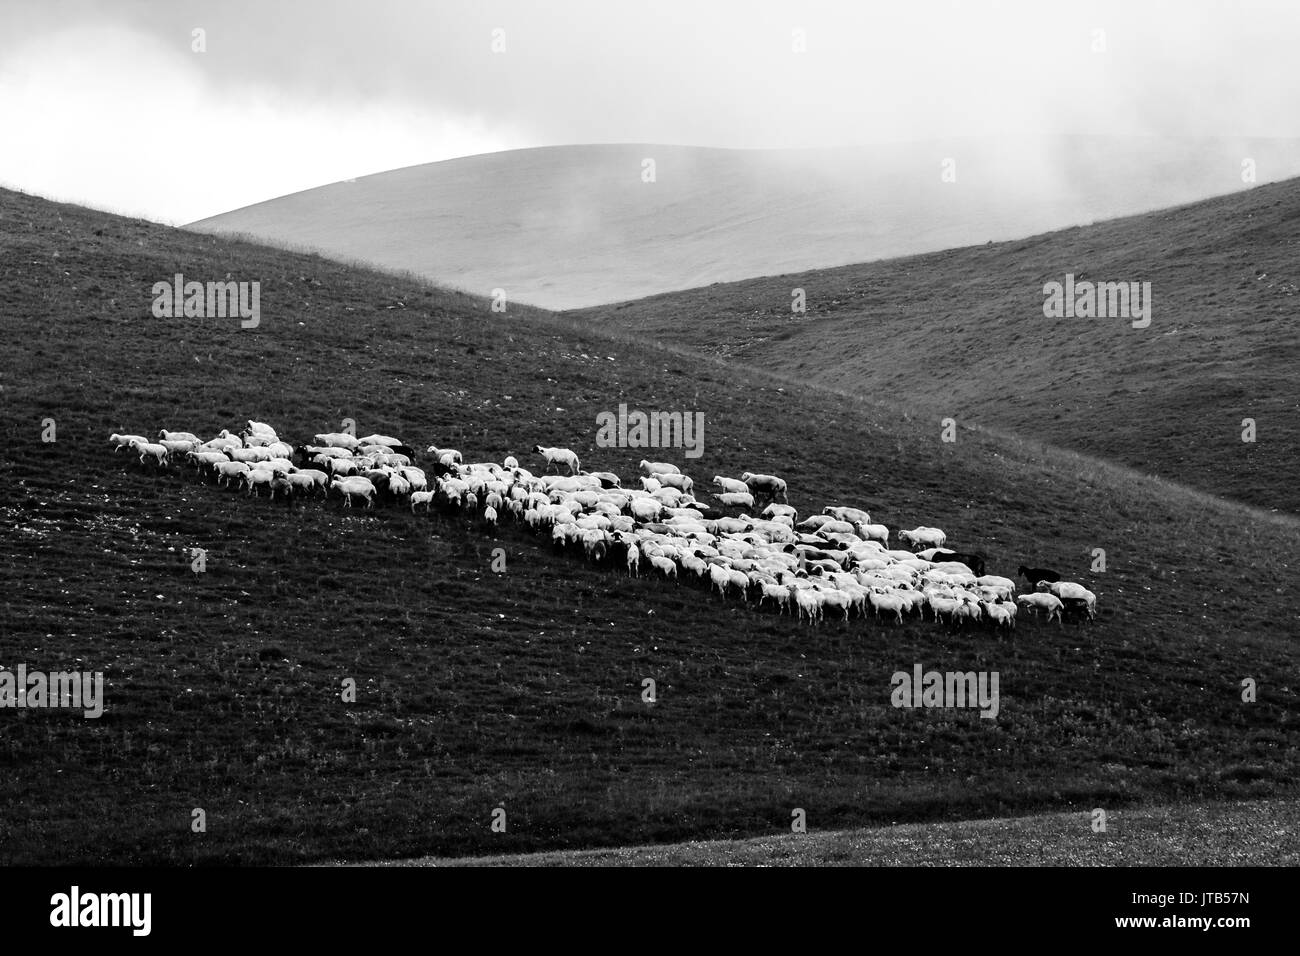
(836, 562)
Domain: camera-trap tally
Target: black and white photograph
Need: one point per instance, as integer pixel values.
(573, 434)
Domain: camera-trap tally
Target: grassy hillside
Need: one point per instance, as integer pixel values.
(962, 333)
(1256, 833)
(573, 226)
(522, 690)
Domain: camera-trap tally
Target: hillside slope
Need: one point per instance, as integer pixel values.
(1255, 833)
(962, 333)
(572, 226)
(523, 689)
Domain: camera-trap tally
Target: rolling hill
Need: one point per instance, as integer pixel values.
(1254, 833)
(962, 334)
(574, 226)
(522, 689)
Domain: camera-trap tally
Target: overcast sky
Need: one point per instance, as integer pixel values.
(108, 104)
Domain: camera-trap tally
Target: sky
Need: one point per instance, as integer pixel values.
(111, 103)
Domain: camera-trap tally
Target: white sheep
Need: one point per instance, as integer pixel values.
(337, 440)
(873, 532)
(675, 480)
(923, 537)
(229, 470)
(887, 602)
(667, 565)
(1042, 601)
(1001, 615)
(355, 485)
(447, 457)
(165, 436)
(177, 446)
(149, 449)
(736, 499)
(124, 441)
(775, 510)
(855, 515)
(261, 429)
(559, 456)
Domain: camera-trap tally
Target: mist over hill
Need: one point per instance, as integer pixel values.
(574, 226)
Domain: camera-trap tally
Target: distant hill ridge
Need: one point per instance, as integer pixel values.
(574, 226)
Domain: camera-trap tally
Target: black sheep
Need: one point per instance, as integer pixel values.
(1034, 575)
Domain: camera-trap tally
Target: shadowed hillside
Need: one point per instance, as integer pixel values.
(523, 689)
(962, 333)
(573, 226)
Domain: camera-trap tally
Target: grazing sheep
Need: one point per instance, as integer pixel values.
(675, 480)
(651, 468)
(775, 592)
(736, 500)
(206, 459)
(1000, 615)
(1070, 591)
(838, 599)
(732, 485)
(229, 470)
(923, 537)
(445, 456)
(769, 486)
(306, 481)
(887, 602)
(421, 498)
(666, 565)
(854, 515)
(993, 581)
(164, 436)
(873, 532)
(337, 440)
(287, 489)
(1042, 601)
(177, 446)
(151, 450)
(124, 441)
(1034, 575)
(775, 510)
(254, 478)
(355, 485)
(973, 561)
(807, 603)
(559, 456)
